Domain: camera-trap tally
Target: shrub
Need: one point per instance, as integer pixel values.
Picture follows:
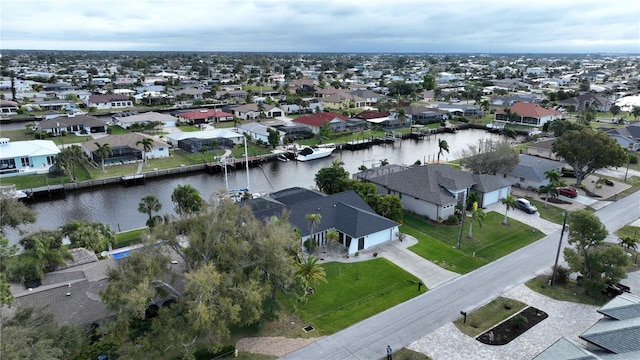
(520, 320)
(452, 220)
(633, 159)
(562, 275)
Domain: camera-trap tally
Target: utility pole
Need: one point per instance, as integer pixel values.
(463, 215)
(555, 266)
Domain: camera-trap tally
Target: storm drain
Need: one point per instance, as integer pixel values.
(308, 328)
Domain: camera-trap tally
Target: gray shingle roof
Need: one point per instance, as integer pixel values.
(433, 182)
(617, 336)
(565, 349)
(533, 167)
(622, 307)
(345, 211)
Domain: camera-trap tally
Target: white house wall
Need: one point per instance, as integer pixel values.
(373, 239)
(157, 153)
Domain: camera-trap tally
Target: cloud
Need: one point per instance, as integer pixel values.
(322, 26)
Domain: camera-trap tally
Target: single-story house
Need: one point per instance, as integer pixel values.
(109, 101)
(145, 118)
(544, 149)
(193, 141)
(529, 172)
(528, 114)
(628, 137)
(358, 226)
(9, 107)
(342, 101)
(370, 97)
(259, 132)
(587, 101)
(72, 123)
(26, 157)
(202, 116)
(434, 190)
(55, 105)
(337, 122)
(125, 148)
(615, 336)
(462, 110)
(251, 111)
(191, 93)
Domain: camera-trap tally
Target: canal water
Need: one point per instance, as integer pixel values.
(117, 205)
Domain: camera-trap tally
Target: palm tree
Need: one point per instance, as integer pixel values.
(384, 162)
(402, 115)
(148, 204)
(313, 220)
(312, 272)
(442, 146)
(551, 190)
(103, 151)
(628, 242)
(477, 215)
(509, 202)
(147, 145)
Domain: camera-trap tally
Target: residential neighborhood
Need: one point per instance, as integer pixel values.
(432, 222)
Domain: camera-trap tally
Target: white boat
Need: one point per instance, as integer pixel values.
(315, 152)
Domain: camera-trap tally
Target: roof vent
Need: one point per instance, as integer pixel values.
(4, 141)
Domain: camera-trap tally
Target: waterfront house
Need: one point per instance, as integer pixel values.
(259, 132)
(543, 149)
(109, 101)
(201, 116)
(528, 114)
(252, 111)
(125, 148)
(358, 226)
(9, 107)
(434, 190)
(26, 157)
(72, 123)
(194, 141)
(126, 121)
(337, 122)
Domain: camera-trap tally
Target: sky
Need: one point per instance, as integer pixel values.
(345, 26)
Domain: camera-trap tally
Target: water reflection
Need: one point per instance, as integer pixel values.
(117, 205)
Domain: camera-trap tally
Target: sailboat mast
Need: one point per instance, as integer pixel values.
(246, 162)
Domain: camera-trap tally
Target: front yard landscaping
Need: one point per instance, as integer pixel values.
(438, 242)
(354, 292)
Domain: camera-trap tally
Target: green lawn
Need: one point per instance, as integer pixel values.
(437, 242)
(628, 230)
(564, 292)
(354, 292)
(127, 238)
(486, 317)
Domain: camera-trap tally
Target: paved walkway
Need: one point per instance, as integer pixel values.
(565, 319)
(396, 251)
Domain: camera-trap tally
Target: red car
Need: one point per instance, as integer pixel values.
(568, 191)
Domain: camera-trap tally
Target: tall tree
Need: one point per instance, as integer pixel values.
(509, 203)
(93, 236)
(442, 146)
(274, 137)
(490, 158)
(477, 216)
(14, 212)
(148, 205)
(104, 151)
(588, 150)
(187, 200)
(333, 179)
(234, 265)
(313, 220)
(596, 262)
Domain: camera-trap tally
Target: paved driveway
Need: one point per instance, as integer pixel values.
(408, 322)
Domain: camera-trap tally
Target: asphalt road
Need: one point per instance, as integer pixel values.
(407, 322)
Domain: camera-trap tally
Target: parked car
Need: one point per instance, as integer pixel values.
(526, 206)
(568, 191)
